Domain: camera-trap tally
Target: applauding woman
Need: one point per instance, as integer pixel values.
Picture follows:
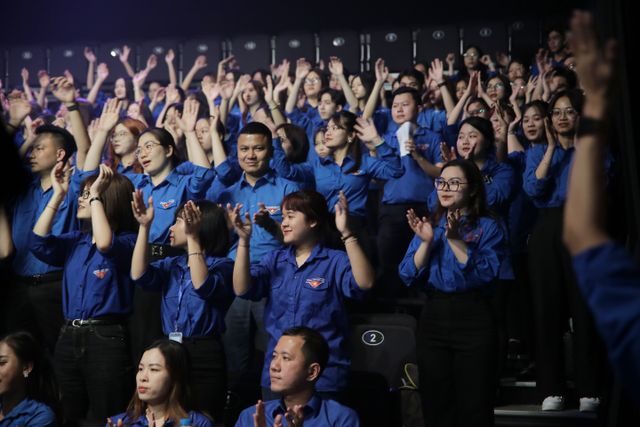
(92, 355)
(196, 290)
(456, 258)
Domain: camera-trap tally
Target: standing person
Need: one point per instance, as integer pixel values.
(162, 396)
(28, 390)
(92, 354)
(298, 360)
(196, 291)
(305, 283)
(456, 258)
(556, 296)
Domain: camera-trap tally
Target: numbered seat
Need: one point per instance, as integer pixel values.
(33, 58)
(67, 57)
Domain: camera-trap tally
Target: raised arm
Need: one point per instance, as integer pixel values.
(44, 80)
(452, 117)
(545, 163)
(60, 176)
(25, 84)
(64, 90)
(187, 123)
(124, 59)
(91, 69)
(101, 76)
(302, 69)
(199, 64)
(6, 240)
(243, 228)
(382, 73)
(168, 58)
(361, 268)
(192, 218)
(144, 216)
(19, 109)
(217, 149)
(276, 114)
(100, 227)
(436, 73)
(422, 228)
(337, 69)
(108, 119)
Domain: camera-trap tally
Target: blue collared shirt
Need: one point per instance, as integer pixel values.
(176, 189)
(311, 295)
(269, 189)
(610, 283)
(26, 211)
(94, 283)
(317, 413)
(197, 420)
(486, 249)
(298, 172)
(194, 312)
(550, 191)
(29, 413)
(331, 178)
(414, 186)
(428, 118)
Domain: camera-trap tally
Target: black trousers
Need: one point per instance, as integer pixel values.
(35, 307)
(94, 372)
(456, 359)
(393, 238)
(208, 377)
(556, 297)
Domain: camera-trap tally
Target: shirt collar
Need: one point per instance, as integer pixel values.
(312, 407)
(269, 177)
(318, 251)
(172, 179)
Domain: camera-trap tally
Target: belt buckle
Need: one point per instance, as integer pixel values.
(77, 323)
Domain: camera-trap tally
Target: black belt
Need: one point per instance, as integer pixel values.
(162, 251)
(470, 294)
(104, 321)
(38, 279)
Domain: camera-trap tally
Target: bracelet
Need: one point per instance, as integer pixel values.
(588, 126)
(93, 199)
(275, 107)
(444, 83)
(52, 207)
(350, 235)
(72, 107)
(196, 253)
(350, 240)
(13, 126)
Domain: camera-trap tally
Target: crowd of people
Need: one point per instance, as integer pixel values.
(177, 227)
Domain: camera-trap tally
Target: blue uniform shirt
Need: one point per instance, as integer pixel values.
(551, 191)
(414, 186)
(94, 284)
(270, 189)
(197, 420)
(428, 118)
(311, 295)
(298, 172)
(486, 249)
(610, 283)
(331, 178)
(194, 312)
(26, 211)
(29, 413)
(317, 413)
(176, 189)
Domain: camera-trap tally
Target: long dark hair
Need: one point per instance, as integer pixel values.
(347, 120)
(41, 383)
(165, 139)
(214, 233)
(299, 142)
(116, 200)
(477, 197)
(177, 363)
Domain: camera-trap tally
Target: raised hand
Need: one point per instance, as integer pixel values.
(67, 74)
(451, 59)
(124, 53)
(243, 228)
(63, 89)
(303, 67)
(172, 94)
(262, 216)
(335, 66)
(192, 217)
(200, 62)
(89, 55)
(102, 181)
(447, 153)
(60, 177)
(211, 90)
(142, 213)
(367, 132)
(43, 79)
(436, 71)
(453, 225)
(268, 91)
(102, 71)
(24, 73)
(169, 56)
(159, 95)
(486, 60)
(140, 77)
(550, 133)
(342, 214)
(226, 89)
(189, 116)
(110, 115)
(152, 62)
(382, 72)
(420, 226)
(19, 109)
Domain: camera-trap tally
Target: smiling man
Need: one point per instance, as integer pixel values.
(298, 361)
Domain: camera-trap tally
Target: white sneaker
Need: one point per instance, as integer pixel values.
(589, 404)
(553, 403)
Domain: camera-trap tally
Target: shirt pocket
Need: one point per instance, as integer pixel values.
(316, 296)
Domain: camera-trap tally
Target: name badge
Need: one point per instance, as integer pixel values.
(176, 336)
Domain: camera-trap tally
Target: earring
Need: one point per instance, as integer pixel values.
(26, 374)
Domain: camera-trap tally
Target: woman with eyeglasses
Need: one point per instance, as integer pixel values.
(168, 188)
(556, 296)
(312, 81)
(456, 257)
(91, 357)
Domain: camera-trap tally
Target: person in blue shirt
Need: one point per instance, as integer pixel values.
(456, 256)
(92, 356)
(162, 390)
(290, 154)
(556, 296)
(607, 274)
(305, 283)
(421, 152)
(28, 391)
(312, 80)
(196, 291)
(258, 194)
(298, 360)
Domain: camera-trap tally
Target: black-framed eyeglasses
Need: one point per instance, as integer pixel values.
(451, 185)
